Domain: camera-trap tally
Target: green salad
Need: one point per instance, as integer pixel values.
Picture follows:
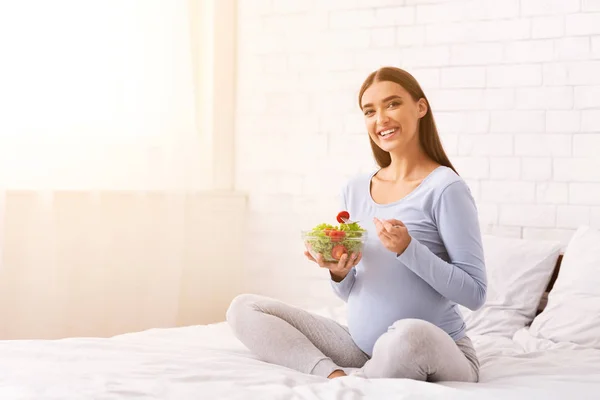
(333, 241)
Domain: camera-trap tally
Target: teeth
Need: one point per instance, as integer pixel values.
(385, 133)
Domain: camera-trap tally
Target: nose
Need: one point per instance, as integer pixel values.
(382, 118)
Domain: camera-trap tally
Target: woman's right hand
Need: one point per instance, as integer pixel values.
(340, 269)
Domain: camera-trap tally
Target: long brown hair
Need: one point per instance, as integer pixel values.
(428, 134)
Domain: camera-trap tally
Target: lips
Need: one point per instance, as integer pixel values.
(386, 133)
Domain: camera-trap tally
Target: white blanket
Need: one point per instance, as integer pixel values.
(207, 362)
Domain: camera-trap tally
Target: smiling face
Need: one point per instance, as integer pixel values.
(392, 116)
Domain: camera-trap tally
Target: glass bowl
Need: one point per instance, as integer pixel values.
(332, 244)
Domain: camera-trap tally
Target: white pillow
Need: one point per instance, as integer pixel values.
(573, 310)
(518, 272)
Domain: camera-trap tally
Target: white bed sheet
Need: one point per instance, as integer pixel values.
(207, 362)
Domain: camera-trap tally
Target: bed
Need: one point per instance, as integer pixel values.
(538, 357)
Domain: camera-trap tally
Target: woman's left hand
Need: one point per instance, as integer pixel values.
(393, 234)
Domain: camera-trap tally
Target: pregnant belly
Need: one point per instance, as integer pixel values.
(371, 314)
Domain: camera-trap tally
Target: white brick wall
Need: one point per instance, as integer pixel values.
(514, 86)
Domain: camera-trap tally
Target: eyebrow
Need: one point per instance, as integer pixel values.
(384, 100)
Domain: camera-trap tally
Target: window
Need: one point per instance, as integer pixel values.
(116, 94)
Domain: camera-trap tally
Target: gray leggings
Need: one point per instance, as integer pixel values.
(292, 337)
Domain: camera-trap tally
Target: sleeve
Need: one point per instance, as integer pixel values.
(463, 280)
(343, 288)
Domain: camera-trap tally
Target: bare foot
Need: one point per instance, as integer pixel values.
(336, 374)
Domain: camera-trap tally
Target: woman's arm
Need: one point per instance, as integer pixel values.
(463, 280)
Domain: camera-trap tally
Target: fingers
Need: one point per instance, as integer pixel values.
(383, 234)
(378, 224)
(396, 222)
(386, 238)
(346, 262)
(382, 227)
(392, 225)
(341, 265)
(388, 226)
(311, 258)
(349, 261)
(320, 261)
(387, 223)
(324, 264)
(381, 230)
(386, 241)
(355, 259)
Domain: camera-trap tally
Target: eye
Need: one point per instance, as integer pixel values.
(368, 113)
(393, 104)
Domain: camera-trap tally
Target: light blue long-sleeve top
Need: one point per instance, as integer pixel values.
(443, 265)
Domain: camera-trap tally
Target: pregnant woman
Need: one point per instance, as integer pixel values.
(423, 258)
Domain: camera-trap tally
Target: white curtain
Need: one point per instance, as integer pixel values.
(102, 230)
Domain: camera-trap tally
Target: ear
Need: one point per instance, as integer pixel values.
(422, 107)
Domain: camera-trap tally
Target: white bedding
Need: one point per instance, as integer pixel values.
(207, 362)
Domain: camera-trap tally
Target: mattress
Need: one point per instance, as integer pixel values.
(208, 362)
